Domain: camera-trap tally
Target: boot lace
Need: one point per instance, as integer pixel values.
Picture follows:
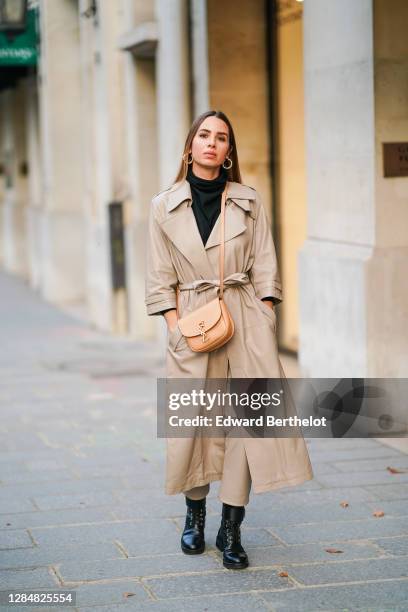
(195, 518)
(232, 533)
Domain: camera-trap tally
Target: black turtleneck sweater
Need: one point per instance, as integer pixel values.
(206, 195)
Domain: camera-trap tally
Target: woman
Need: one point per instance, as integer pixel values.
(183, 247)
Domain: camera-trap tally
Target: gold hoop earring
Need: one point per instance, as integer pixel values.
(230, 165)
(188, 161)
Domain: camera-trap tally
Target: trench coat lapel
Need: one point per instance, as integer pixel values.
(242, 196)
(234, 226)
(237, 205)
(181, 228)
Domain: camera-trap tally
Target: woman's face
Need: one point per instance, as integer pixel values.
(210, 145)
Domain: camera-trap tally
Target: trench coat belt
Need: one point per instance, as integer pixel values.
(233, 280)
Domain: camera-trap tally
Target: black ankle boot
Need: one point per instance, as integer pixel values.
(192, 539)
(229, 537)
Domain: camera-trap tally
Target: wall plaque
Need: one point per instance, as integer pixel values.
(395, 157)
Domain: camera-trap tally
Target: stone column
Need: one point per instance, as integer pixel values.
(2, 174)
(353, 265)
(199, 36)
(103, 141)
(62, 226)
(138, 41)
(142, 164)
(173, 100)
(15, 185)
(35, 192)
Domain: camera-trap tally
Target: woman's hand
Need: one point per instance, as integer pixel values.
(171, 319)
(269, 303)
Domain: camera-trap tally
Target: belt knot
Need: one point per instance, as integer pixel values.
(202, 284)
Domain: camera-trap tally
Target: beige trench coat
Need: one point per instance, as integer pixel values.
(176, 254)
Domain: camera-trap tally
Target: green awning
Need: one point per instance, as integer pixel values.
(22, 50)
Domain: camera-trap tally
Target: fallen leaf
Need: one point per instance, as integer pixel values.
(283, 574)
(396, 470)
(333, 550)
(378, 513)
(344, 504)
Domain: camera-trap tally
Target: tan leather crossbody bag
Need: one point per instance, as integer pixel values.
(210, 326)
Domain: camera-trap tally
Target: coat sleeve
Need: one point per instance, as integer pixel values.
(264, 272)
(160, 277)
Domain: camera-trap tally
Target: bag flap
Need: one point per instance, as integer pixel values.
(209, 315)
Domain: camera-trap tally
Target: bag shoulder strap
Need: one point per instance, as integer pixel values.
(222, 245)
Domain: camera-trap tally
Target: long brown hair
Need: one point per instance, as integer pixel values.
(234, 173)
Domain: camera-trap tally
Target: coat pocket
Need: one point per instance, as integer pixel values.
(268, 312)
(175, 339)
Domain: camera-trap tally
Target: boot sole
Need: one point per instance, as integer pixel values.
(196, 551)
(235, 566)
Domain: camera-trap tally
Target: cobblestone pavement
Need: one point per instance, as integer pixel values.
(82, 503)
